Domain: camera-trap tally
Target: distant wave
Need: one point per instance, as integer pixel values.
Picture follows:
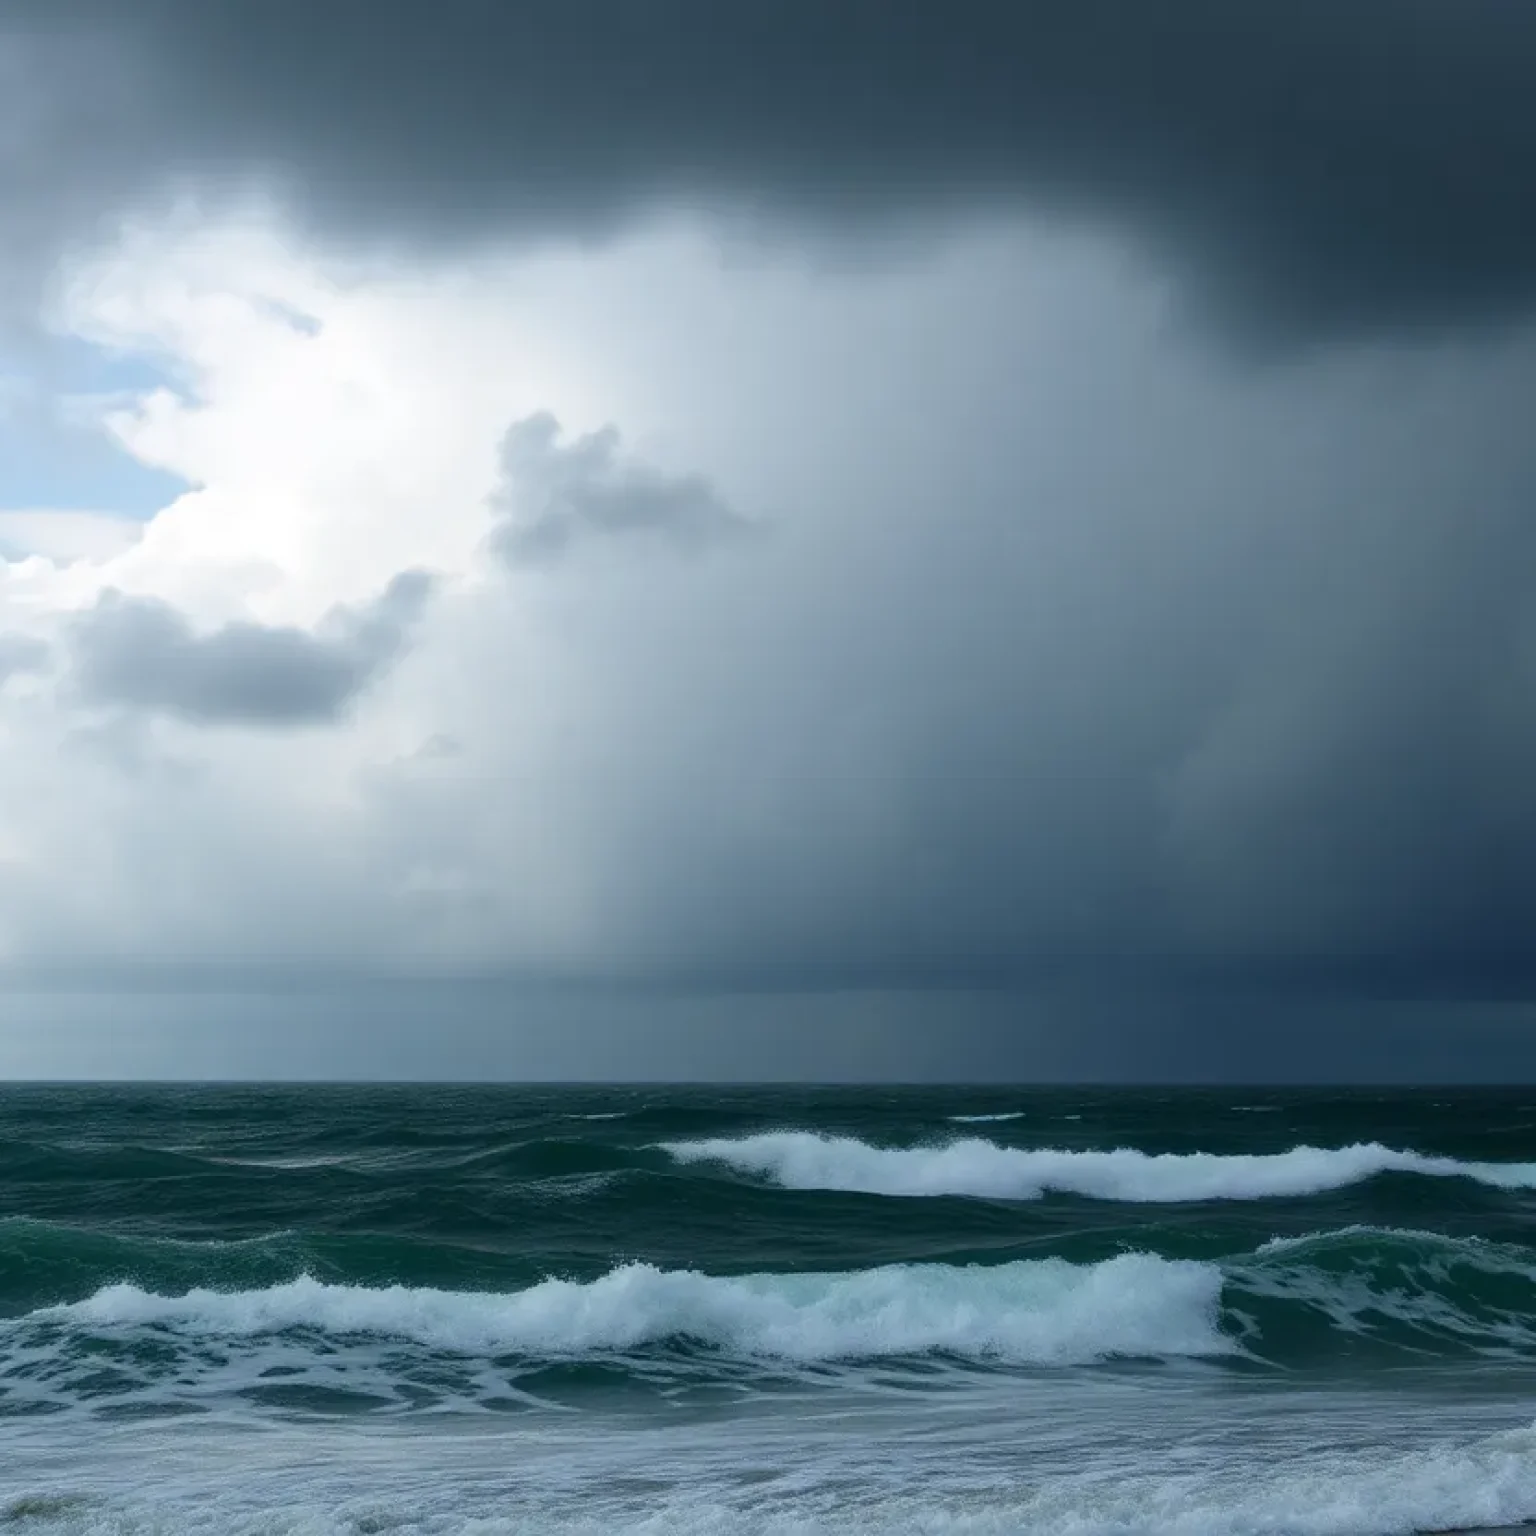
(1015, 1114)
(982, 1169)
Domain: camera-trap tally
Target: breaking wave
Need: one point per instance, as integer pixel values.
(982, 1169)
(1043, 1311)
(1362, 1291)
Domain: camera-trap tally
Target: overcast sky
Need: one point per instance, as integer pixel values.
(795, 539)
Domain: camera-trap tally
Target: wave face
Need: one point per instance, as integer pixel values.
(473, 1312)
(803, 1160)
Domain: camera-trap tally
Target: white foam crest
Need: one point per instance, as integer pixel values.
(1015, 1114)
(983, 1169)
(1032, 1311)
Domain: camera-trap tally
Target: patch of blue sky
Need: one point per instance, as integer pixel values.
(66, 365)
(53, 456)
(45, 464)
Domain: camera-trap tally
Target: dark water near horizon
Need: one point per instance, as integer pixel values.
(299, 1311)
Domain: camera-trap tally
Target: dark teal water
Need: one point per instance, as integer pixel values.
(1050, 1300)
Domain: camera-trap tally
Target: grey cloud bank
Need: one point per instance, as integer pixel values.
(142, 654)
(465, 1032)
(1311, 170)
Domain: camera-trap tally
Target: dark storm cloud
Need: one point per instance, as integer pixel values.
(1358, 811)
(1201, 692)
(555, 495)
(141, 653)
(1317, 168)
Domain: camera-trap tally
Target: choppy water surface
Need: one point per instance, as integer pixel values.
(492, 1310)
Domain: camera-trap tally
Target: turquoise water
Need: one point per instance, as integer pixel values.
(483, 1310)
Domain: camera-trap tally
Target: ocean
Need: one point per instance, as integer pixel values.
(479, 1311)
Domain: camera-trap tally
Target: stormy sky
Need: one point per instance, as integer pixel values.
(578, 538)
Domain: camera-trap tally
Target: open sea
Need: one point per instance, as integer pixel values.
(438, 1311)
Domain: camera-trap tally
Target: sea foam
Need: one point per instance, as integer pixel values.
(982, 1169)
(312, 1483)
